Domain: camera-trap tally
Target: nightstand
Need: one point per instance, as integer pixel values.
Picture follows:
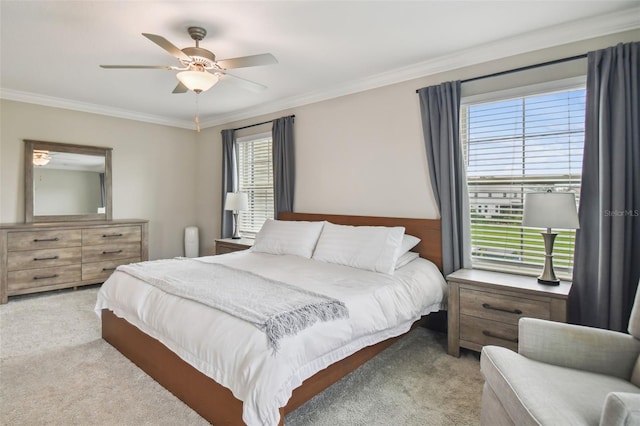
(228, 245)
(484, 307)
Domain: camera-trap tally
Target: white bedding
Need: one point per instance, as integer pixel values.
(236, 354)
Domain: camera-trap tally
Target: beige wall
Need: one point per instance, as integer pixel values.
(357, 154)
(153, 172)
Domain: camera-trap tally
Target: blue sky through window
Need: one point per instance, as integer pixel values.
(535, 135)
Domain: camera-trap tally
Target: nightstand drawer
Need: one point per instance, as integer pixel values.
(500, 307)
(484, 332)
(222, 249)
(229, 245)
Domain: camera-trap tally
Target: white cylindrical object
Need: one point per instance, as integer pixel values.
(191, 243)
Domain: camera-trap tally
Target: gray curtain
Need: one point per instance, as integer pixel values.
(229, 179)
(283, 165)
(607, 254)
(440, 111)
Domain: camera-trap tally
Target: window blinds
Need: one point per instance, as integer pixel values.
(513, 146)
(255, 178)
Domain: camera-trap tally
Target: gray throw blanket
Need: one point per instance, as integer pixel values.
(277, 308)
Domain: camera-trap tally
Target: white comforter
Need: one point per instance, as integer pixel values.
(235, 353)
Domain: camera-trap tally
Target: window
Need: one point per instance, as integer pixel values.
(255, 177)
(513, 146)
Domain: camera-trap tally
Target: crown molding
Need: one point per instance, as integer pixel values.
(50, 101)
(557, 35)
(524, 43)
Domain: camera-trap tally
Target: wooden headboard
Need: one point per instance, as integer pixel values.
(428, 230)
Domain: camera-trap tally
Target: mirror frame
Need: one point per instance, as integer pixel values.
(30, 146)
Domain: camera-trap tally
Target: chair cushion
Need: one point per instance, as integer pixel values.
(535, 393)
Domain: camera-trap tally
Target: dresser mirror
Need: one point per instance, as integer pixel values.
(66, 182)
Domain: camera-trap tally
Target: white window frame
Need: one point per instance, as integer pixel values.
(260, 193)
(530, 259)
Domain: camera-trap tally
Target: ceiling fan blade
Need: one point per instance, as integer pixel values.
(180, 88)
(244, 83)
(247, 61)
(168, 46)
(150, 67)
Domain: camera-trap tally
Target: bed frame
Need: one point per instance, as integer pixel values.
(215, 402)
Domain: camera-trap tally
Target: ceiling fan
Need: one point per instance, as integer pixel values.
(199, 70)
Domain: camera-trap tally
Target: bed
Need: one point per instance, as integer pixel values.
(170, 361)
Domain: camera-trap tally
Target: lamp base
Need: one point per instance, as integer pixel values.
(548, 276)
(236, 234)
(548, 282)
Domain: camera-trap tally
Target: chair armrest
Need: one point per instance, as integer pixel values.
(621, 409)
(583, 348)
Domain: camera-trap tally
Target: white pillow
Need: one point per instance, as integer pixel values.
(288, 237)
(406, 258)
(374, 248)
(408, 242)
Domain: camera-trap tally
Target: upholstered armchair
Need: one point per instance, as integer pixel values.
(564, 374)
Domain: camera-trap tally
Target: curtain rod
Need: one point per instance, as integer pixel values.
(528, 67)
(259, 124)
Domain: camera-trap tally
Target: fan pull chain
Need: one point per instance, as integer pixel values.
(197, 120)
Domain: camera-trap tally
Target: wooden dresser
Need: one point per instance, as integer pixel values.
(484, 307)
(38, 257)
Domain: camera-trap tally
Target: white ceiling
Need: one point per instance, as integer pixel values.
(50, 50)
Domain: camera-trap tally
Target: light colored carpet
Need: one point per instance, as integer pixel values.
(55, 370)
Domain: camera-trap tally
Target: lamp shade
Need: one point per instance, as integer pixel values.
(236, 201)
(198, 81)
(550, 210)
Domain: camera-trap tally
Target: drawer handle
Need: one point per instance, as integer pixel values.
(111, 235)
(111, 251)
(509, 311)
(508, 339)
(44, 277)
(45, 258)
(44, 240)
(108, 269)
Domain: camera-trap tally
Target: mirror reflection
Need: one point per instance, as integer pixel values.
(65, 183)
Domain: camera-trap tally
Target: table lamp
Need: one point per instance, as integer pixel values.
(236, 201)
(550, 210)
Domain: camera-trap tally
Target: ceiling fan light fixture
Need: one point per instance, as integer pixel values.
(41, 158)
(198, 81)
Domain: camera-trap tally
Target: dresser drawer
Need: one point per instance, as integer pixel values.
(35, 278)
(110, 235)
(500, 307)
(33, 240)
(483, 332)
(102, 270)
(33, 259)
(113, 251)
